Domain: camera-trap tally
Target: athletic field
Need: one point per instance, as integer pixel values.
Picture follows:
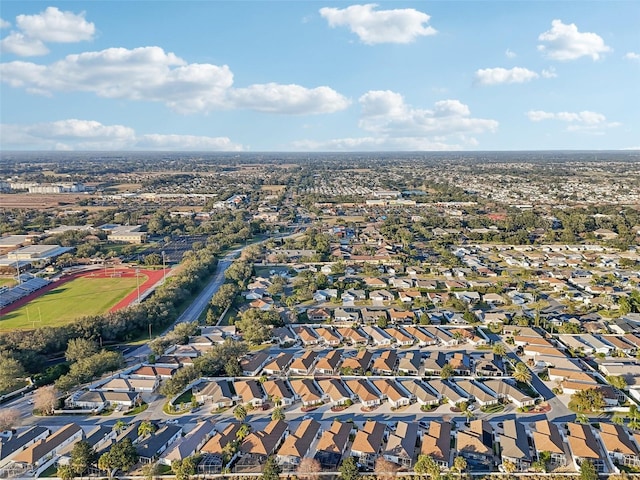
(68, 300)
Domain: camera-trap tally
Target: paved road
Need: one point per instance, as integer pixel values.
(559, 411)
(193, 311)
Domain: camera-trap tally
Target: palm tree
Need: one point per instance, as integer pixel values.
(469, 415)
(150, 470)
(509, 466)
(119, 426)
(240, 413)
(65, 472)
(146, 428)
(278, 414)
(243, 431)
(634, 423)
(499, 349)
(230, 448)
(580, 418)
(104, 464)
(459, 464)
(522, 373)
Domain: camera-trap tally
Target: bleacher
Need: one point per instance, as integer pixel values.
(14, 294)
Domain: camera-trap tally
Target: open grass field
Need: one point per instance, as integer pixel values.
(8, 282)
(273, 188)
(345, 219)
(80, 297)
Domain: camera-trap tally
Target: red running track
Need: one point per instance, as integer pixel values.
(153, 277)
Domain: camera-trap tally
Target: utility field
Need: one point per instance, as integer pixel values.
(79, 297)
(7, 282)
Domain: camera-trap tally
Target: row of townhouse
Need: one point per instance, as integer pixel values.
(607, 446)
(398, 335)
(386, 362)
(480, 443)
(124, 389)
(369, 391)
(33, 450)
(276, 438)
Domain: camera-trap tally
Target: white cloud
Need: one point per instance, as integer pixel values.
(49, 26)
(55, 26)
(498, 75)
(385, 112)
(393, 125)
(585, 121)
(510, 54)
(372, 144)
(292, 99)
(565, 42)
(549, 73)
(4, 23)
(151, 74)
(19, 44)
(632, 56)
(380, 26)
(586, 117)
(186, 142)
(74, 134)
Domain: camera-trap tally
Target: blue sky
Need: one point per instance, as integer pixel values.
(320, 76)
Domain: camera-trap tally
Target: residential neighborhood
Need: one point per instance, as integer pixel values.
(411, 329)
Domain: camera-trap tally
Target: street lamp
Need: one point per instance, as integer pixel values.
(164, 268)
(138, 283)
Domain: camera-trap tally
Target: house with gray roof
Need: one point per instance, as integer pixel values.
(514, 445)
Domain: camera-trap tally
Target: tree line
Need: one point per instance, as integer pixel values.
(29, 348)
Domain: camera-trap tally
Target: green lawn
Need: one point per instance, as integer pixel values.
(74, 299)
(9, 282)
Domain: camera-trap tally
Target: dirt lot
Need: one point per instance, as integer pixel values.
(40, 202)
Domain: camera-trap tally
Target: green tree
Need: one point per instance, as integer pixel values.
(588, 400)
(146, 428)
(65, 472)
(447, 371)
(459, 464)
(427, 466)
(581, 418)
(278, 414)
(123, 455)
(119, 426)
(184, 468)
(255, 327)
(509, 466)
(11, 371)
(79, 348)
(383, 322)
(150, 470)
(223, 298)
(469, 317)
(588, 471)
(240, 413)
(271, 469)
(617, 381)
(349, 469)
(104, 463)
(153, 259)
(499, 349)
(242, 432)
(82, 456)
(522, 373)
